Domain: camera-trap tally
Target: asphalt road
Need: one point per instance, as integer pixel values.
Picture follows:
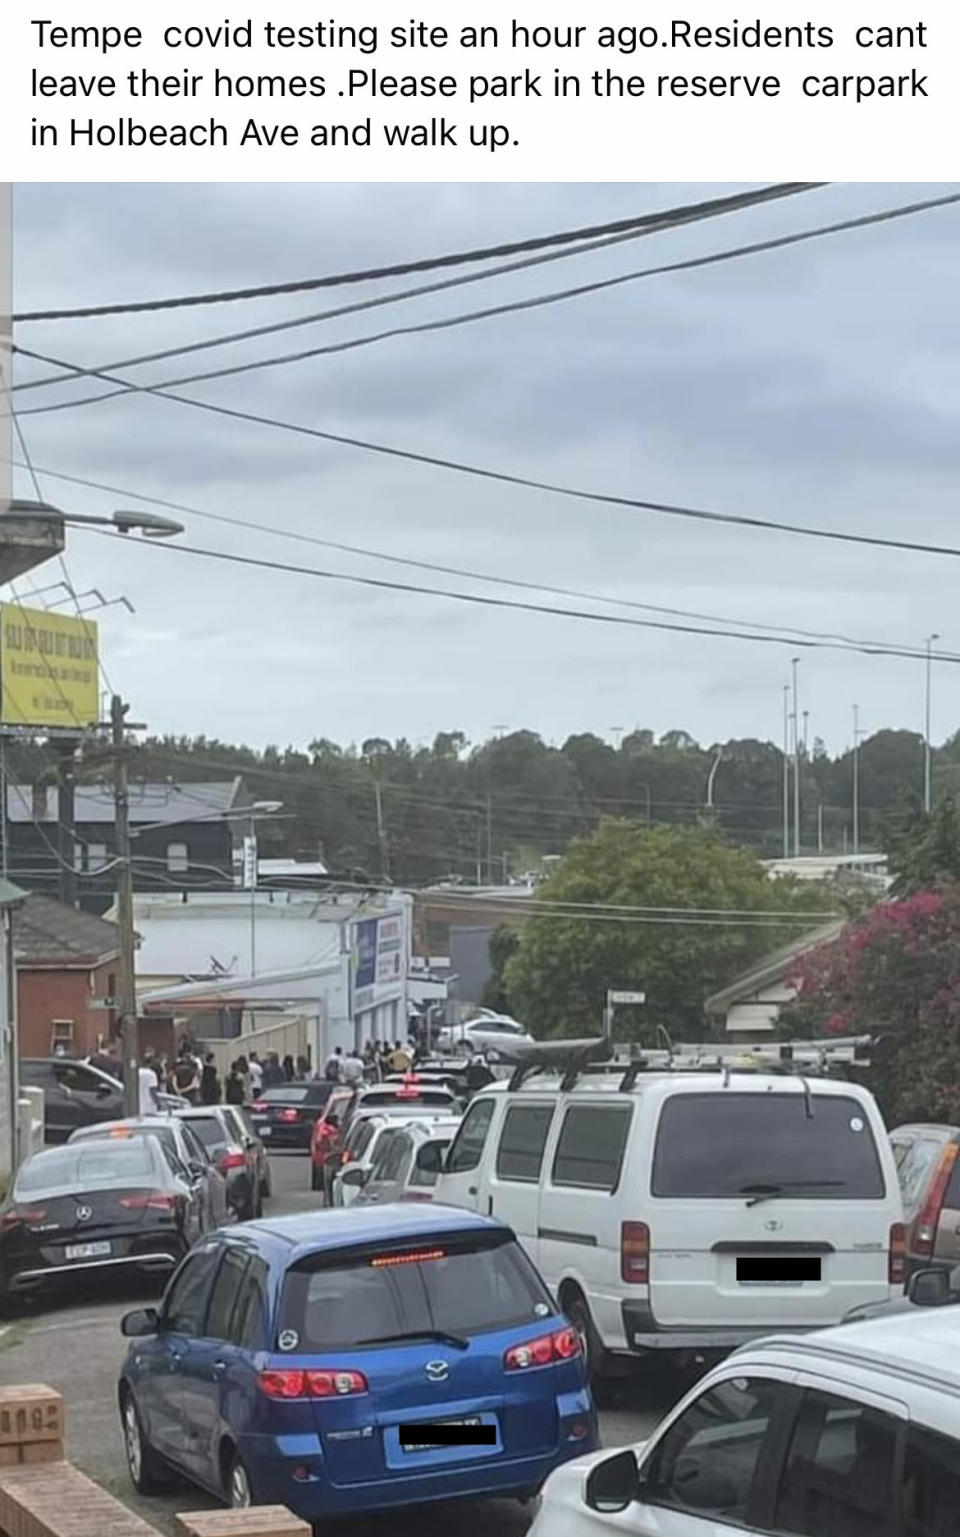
(76, 1347)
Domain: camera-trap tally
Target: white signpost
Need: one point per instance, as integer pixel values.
(617, 996)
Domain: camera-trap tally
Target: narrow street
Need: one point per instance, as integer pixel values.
(77, 1348)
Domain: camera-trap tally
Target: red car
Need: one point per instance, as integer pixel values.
(326, 1135)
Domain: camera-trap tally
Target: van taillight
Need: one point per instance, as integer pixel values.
(897, 1255)
(635, 1253)
(924, 1235)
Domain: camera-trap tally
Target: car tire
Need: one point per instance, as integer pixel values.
(147, 1473)
(602, 1384)
(239, 1490)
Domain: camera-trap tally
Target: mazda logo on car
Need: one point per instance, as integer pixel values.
(773, 1226)
(437, 1371)
(84, 1213)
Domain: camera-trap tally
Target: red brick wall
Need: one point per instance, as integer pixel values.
(43, 996)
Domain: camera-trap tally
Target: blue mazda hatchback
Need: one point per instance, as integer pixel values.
(355, 1360)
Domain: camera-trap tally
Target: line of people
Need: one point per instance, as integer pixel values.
(200, 1082)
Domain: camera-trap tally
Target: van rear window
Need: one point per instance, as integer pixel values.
(711, 1146)
(456, 1288)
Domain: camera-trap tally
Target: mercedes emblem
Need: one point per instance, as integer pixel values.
(84, 1213)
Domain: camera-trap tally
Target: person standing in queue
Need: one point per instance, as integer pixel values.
(209, 1081)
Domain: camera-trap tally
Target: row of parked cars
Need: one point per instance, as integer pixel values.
(132, 1195)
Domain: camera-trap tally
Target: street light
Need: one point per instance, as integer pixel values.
(796, 762)
(150, 524)
(927, 798)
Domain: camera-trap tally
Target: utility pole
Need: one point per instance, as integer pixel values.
(820, 828)
(489, 838)
(856, 779)
(126, 975)
(66, 820)
(796, 763)
(712, 776)
(927, 796)
(381, 833)
(786, 771)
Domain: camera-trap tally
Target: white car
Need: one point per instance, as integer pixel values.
(488, 1032)
(849, 1432)
(407, 1165)
(362, 1144)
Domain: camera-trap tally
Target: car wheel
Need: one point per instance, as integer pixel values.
(602, 1385)
(147, 1472)
(239, 1488)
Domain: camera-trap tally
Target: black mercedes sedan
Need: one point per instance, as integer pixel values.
(283, 1116)
(95, 1207)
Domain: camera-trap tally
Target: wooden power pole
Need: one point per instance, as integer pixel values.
(126, 974)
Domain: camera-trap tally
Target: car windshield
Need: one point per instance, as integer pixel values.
(86, 1166)
(726, 1144)
(294, 1094)
(455, 1288)
(416, 1093)
(114, 1134)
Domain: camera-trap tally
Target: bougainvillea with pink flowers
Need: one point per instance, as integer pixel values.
(895, 973)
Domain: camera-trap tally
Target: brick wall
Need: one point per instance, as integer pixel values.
(45, 995)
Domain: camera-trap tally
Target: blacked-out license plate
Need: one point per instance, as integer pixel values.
(434, 1434)
(778, 1270)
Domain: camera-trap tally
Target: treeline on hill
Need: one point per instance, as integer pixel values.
(496, 808)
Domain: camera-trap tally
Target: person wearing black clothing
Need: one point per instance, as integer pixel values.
(209, 1081)
(273, 1073)
(289, 1071)
(233, 1088)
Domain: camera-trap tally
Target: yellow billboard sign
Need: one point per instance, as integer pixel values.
(49, 674)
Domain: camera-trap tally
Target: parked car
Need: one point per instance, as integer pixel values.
(223, 1142)
(407, 1097)
(934, 1288)
(258, 1159)
(95, 1206)
(851, 1432)
(928, 1167)
(179, 1138)
(284, 1115)
(685, 1212)
(487, 1032)
(326, 1138)
(406, 1166)
(346, 1362)
(363, 1142)
(74, 1094)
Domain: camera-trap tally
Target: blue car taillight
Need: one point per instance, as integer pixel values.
(285, 1383)
(547, 1350)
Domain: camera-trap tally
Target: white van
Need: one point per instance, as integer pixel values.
(686, 1211)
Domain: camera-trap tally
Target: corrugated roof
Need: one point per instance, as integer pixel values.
(45, 932)
(770, 968)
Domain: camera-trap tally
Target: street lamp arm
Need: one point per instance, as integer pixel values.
(150, 524)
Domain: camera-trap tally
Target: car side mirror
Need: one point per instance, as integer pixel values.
(141, 1324)
(613, 1484)
(353, 1174)
(104, 1091)
(929, 1288)
(430, 1158)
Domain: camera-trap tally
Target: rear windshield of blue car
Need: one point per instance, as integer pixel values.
(461, 1290)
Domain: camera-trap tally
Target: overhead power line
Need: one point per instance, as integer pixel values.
(487, 601)
(529, 483)
(536, 301)
(668, 220)
(423, 264)
(480, 576)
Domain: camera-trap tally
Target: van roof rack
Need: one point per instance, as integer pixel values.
(572, 1058)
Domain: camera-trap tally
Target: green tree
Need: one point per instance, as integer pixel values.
(503, 944)
(923, 851)
(556, 979)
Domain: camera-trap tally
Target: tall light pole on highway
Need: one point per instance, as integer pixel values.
(786, 771)
(795, 663)
(927, 795)
(856, 779)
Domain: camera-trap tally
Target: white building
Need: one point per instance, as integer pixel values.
(341, 961)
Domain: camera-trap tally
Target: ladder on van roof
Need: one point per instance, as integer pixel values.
(570, 1059)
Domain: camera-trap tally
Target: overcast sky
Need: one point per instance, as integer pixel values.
(819, 384)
